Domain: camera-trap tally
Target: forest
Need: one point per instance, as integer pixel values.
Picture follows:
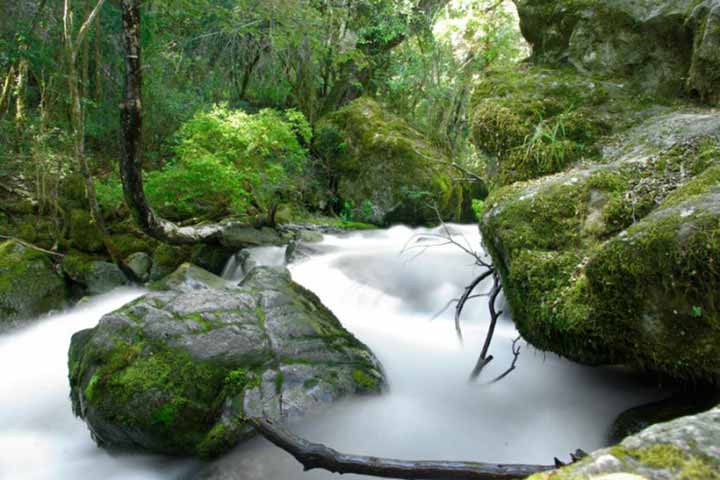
(448, 238)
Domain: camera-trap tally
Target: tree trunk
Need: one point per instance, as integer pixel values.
(132, 158)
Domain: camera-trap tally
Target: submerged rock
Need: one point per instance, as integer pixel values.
(687, 448)
(617, 261)
(29, 285)
(177, 371)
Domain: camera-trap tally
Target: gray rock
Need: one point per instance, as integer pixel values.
(102, 277)
(686, 448)
(140, 263)
(187, 278)
(178, 370)
(239, 236)
(657, 44)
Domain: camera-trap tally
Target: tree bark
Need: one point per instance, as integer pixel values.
(132, 159)
(315, 455)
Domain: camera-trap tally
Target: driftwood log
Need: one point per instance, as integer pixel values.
(315, 455)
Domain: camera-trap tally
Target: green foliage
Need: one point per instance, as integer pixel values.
(226, 162)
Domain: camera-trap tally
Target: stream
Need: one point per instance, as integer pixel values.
(387, 297)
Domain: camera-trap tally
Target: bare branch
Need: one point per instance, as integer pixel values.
(516, 354)
(483, 360)
(464, 298)
(31, 246)
(315, 455)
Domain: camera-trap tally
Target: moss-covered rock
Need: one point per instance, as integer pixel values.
(616, 261)
(534, 121)
(29, 285)
(167, 258)
(380, 165)
(85, 235)
(94, 273)
(656, 44)
(178, 371)
(684, 449)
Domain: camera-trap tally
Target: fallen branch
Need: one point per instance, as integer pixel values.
(31, 246)
(315, 455)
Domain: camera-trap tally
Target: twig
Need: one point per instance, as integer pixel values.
(464, 298)
(30, 245)
(516, 354)
(315, 455)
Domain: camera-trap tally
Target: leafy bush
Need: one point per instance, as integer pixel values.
(226, 162)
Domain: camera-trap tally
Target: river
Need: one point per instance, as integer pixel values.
(387, 295)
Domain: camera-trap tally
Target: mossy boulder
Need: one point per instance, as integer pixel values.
(85, 235)
(29, 284)
(94, 273)
(685, 449)
(616, 261)
(167, 258)
(380, 164)
(532, 121)
(655, 44)
(178, 371)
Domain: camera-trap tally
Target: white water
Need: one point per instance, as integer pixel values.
(40, 439)
(547, 407)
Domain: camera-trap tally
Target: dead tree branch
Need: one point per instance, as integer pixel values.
(484, 359)
(315, 455)
(464, 298)
(31, 246)
(516, 354)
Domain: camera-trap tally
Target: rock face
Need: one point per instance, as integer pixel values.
(667, 46)
(386, 170)
(29, 285)
(616, 261)
(686, 448)
(177, 370)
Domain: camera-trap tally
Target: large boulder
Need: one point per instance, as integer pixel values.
(656, 44)
(386, 171)
(29, 284)
(686, 449)
(616, 261)
(178, 370)
(530, 121)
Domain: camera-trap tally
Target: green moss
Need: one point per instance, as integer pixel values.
(29, 285)
(708, 181)
(535, 121)
(167, 259)
(156, 389)
(683, 464)
(85, 235)
(365, 381)
(378, 159)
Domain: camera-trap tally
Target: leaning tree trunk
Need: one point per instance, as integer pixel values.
(132, 159)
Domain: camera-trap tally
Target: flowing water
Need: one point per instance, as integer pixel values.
(387, 295)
